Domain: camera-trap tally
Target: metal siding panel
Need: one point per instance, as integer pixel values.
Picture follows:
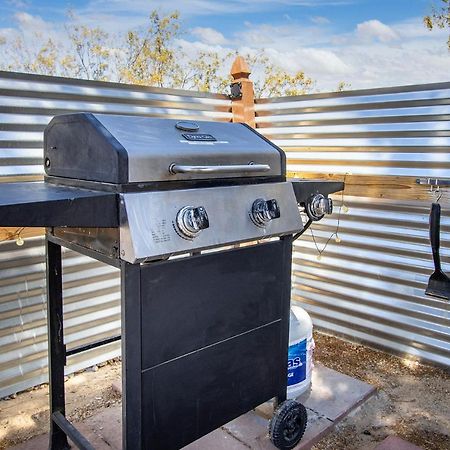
(91, 289)
(375, 277)
(371, 285)
(92, 311)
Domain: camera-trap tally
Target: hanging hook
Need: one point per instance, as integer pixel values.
(438, 193)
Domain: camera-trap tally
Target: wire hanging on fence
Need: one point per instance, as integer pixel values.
(342, 207)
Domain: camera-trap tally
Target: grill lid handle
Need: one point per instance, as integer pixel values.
(240, 168)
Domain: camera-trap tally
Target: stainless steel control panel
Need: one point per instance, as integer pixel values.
(160, 224)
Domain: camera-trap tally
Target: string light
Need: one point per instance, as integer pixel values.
(342, 208)
(16, 236)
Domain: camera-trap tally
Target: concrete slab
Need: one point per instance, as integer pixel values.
(333, 396)
(252, 429)
(36, 443)
(92, 435)
(318, 427)
(217, 440)
(395, 443)
(41, 442)
(107, 425)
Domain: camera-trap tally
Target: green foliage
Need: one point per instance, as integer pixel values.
(439, 18)
(41, 58)
(277, 82)
(150, 55)
(90, 46)
(204, 72)
(343, 86)
(46, 59)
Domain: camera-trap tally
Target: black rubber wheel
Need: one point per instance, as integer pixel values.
(288, 424)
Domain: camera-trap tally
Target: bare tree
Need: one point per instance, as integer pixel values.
(150, 56)
(91, 59)
(439, 18)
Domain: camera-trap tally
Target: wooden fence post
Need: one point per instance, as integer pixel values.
(243, 108)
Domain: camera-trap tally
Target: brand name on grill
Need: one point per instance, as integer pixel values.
(198, 137)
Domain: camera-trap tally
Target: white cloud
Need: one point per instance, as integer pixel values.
(311, 60)
(415, 56)
(200, 7)
(32, 30)
(374, 54)
(319, 20)
(209, 36)
(374, 29)
(283, 37)
(25, 20)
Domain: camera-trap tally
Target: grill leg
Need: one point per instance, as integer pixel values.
(56, 349)
(286, 307)
(131, 357)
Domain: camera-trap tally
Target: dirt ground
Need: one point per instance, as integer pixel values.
(413, 401)
(27, 414)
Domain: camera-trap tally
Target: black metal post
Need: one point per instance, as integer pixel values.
(75, 436)
(285, 298)
(131, 356)
(56, 349)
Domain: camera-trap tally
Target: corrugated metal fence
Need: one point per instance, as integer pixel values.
(370, 285)
(92, 297)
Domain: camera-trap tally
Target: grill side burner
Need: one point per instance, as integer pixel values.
(205, 323)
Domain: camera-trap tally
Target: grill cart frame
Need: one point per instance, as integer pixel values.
(205, 336)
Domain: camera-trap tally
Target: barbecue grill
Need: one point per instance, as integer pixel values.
(204, 318)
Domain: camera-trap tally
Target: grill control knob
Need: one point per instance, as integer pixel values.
(317, 206)
(191, 220)
(263, 211)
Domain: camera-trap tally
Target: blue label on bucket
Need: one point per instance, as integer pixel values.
(297, 363)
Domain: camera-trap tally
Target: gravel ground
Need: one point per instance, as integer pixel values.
(413, 400)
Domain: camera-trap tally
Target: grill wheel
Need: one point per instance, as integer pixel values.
(288, 424)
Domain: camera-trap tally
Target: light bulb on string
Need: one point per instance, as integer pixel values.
(345, 209)
(20, 241)
(337, 239)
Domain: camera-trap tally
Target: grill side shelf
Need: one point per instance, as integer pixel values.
(303, 188)
(40, 204)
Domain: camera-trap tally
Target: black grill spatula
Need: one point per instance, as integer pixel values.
(439, 282)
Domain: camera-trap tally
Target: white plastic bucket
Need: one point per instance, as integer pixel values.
(300, 355)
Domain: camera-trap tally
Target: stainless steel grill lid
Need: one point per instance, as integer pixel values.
(129, 149)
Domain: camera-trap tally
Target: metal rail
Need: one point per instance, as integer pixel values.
(75, 436)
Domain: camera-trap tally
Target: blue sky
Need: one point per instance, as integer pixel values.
(367, 43)
(344, 14)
